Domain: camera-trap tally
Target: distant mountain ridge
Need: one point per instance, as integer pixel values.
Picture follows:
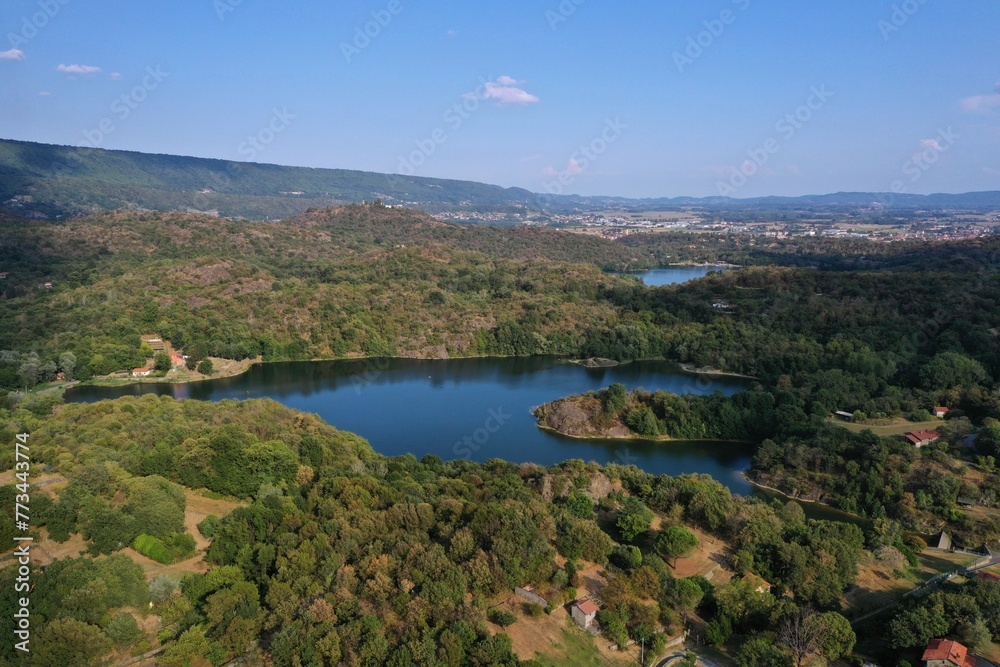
(54, 182)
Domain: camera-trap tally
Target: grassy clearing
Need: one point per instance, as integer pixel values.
(936, 562)
(575, 648)
(896, 428)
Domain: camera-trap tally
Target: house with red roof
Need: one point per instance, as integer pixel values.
(584, 612)
(921, 438)
(947, 653)
(941, 412)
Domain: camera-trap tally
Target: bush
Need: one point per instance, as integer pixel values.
(501, 617)
(162, 589)
(719, 631)
(167, 550)
(206, 367)
(534, 610)
(123, 629)
(209, 526)
(626, 557)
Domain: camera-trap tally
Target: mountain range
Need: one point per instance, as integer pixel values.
(55, 182)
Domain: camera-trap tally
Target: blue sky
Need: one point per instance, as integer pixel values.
(635, 99)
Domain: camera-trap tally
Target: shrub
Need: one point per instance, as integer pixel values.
(501, 617)
(162, 589)
(209, 526)
(123, 629)
(167, 550)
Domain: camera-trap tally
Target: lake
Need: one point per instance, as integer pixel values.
(468, 408)
(673, 275)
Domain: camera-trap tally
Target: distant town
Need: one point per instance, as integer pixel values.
(873, 222)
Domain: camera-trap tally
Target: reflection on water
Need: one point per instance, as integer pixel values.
(674, 275)
(468, 408)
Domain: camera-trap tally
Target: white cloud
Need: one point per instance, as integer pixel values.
(116, 76)
(505, 90)
(78, 69)
(13, 54)
(979, 103)
(932, 144)
(983, 103)
(44, 93)
(573, 168)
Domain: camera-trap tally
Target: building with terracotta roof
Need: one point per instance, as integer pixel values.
(947, 653)
(940, 412)
(921, 438)
(584, 612)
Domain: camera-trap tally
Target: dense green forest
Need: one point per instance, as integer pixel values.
(338, 555)
(343, 556)
(805, 456)
(64, 181)
(362, 280)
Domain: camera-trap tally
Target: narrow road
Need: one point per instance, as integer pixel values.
(677, 657)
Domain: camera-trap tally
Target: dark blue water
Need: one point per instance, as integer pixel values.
(468, 408)
(674, 275)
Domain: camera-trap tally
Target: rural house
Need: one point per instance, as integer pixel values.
(946, 653)
(921, 438)
(583, 612)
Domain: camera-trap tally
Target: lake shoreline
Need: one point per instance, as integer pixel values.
(219, 375)
(715, 371)
(639, 438)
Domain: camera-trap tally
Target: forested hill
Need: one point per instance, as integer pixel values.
(63, 181)
(57, 182)
(360, 280)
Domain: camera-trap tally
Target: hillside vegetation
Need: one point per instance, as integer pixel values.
(360, 280)
(42, 180)
(345, 557)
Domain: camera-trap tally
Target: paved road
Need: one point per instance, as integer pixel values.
(677, 657)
